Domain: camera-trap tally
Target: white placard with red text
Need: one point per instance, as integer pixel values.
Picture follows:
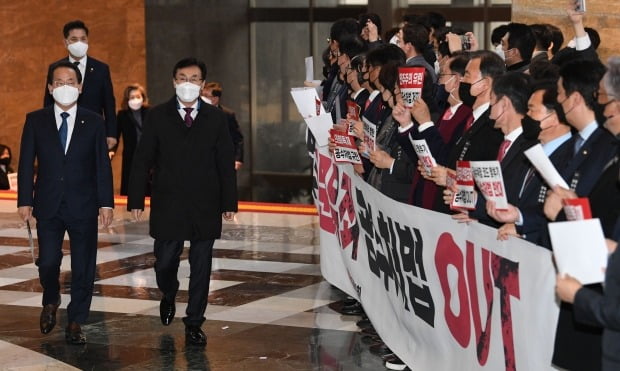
(410, 82)
(345, 150)
(424, 154)
(465, 195)
(442, 295)
(488, 177)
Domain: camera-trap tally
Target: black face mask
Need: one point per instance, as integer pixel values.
(464, 94)
(531, 127)
(441, 95)
(5, 161)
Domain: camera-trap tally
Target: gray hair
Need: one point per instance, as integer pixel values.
(611, 80)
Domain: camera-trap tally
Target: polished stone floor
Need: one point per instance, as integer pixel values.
(269, 308)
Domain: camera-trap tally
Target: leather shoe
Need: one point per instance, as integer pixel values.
(353, 310)
(166, 311)
(195, 336)
(74, 334)
(47, 320)
(380, 349)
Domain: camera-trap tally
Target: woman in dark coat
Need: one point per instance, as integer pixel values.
(130, 118)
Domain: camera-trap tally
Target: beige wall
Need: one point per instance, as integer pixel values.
(603, 15)
(31, 38)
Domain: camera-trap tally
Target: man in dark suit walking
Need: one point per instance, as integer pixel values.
(97, 93)
(73, 186)
(213, 92)
(188, 144)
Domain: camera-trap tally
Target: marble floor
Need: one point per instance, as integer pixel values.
(269, 308)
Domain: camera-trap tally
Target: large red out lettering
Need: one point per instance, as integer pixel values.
(497, 272)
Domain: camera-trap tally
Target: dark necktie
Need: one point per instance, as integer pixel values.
(62, 132)
(77, 64)
(188, 117)
(578, 143)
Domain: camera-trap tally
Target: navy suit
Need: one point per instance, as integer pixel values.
(97, 93)
(68, 192)
(578, 346)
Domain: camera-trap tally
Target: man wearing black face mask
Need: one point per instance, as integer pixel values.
(480, 141)
(526, 219)
(509, 97)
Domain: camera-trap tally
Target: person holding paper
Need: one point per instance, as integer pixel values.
(592, 146)
(413, 40)
(598, 309)
(526, 219)
(509, 99)
(440, 138)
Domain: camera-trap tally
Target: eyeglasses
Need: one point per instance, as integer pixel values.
(193, 80)
(445, 74)
(59, 83)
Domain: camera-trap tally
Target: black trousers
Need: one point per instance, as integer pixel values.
(167, 259)
(83, 243)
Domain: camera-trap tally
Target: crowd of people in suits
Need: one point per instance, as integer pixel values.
(484, 105)
(183, 153)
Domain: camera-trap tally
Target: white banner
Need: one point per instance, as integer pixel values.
(442, 295)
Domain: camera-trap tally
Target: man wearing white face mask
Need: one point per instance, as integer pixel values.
(187, 143)
(73, 186)
(97, 92)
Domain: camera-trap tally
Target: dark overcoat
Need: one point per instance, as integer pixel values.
(194, 178)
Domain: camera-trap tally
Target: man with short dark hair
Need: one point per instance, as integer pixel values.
(213, 92)
(73, 186)
(188, 145)
(413, 40)
(518, 45)
(97, 92)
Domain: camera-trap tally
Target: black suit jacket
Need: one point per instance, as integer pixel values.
(532, 199)
(194, 178)
(583, 170)
(514, 168)
(593, 308)
(480, 143)
(97, 93)
(82, 177)
(235, 132)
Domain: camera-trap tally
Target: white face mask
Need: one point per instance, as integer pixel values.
(187, 92)
(394, 40)
(135, 104)
(65, 95)
(78, 49)
(206, 100)
(500, 51)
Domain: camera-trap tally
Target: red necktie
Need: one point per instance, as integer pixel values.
(188, 117)
(447, 115)
(469, 123)
(367, 104)
(502, 150)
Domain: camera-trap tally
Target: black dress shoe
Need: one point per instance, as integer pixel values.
(195, 336)
(353, 310)
(380, 349)
(74, 334)
(166, 311)
(47, 320)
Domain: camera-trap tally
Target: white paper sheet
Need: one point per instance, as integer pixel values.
(580, 250)
(541, 162)
(307, 100)
(309, 68)
(320, 126)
